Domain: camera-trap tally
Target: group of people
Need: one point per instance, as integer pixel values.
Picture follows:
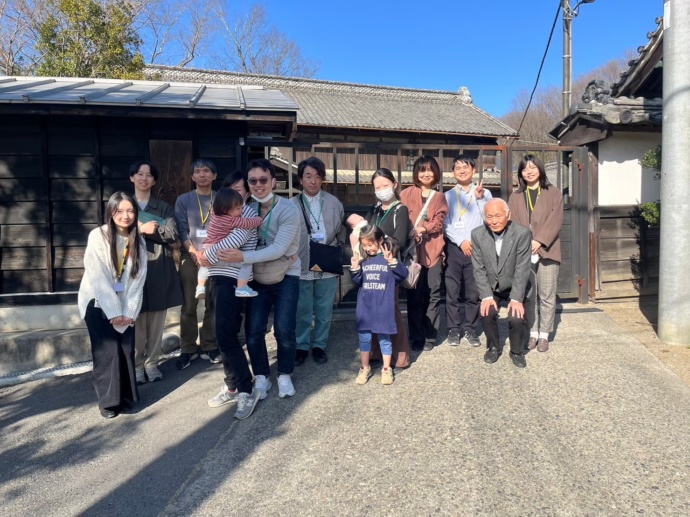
(246, 250)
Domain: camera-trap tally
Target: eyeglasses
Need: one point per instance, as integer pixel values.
(256, 181)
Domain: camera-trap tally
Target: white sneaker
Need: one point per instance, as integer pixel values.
(153, 373)
(225, 396)
(141, 376)
(200, 292)
(285, 387)
(263, 385)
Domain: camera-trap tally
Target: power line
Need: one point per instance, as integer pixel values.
(546, 51)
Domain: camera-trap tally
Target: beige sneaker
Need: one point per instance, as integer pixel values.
(387, 376)
(364, 374)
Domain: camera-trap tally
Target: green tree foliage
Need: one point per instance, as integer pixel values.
(89, 38)
(651, 212)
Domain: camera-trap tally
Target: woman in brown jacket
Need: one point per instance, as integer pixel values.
(538, 205)
(427, 221)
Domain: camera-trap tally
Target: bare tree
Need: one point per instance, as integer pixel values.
(545, 111)
(174, 32)
(249, 43)
(18, 24)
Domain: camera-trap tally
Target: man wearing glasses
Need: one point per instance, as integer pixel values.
(192, 215)
(466, 202)
(279, 239)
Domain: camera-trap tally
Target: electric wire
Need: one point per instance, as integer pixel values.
(543, 59)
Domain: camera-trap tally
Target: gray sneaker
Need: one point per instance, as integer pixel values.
(470, 339)
(225, 396)
(246, 402)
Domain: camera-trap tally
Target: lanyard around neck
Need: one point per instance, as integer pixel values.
(317, 219)
(529, 198)
(462, 212)
(269, 215)
(121, 269)
(379, 219)
(201, 211)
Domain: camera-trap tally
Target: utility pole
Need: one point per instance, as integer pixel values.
(674, 257)
(567, 56)
(568, 15)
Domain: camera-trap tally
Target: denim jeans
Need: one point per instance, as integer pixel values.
(316, 299)
(384, 342)
(283, 297)
(228, 322)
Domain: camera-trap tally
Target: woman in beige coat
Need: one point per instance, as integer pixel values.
(538, 205)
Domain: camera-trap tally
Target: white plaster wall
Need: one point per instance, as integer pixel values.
(622, 179)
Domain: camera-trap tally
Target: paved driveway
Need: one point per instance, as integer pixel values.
(596, 426)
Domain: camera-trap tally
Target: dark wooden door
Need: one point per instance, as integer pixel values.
(173, 159)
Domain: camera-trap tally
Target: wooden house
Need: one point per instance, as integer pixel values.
(618, 124)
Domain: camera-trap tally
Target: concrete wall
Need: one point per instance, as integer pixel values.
(622, 180)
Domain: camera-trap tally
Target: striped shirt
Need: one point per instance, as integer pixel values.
(238, 239)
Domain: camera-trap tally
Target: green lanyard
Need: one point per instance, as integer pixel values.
(268, 223)
(379, 219)
(318, 224)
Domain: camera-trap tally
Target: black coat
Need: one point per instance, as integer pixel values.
(162, 289)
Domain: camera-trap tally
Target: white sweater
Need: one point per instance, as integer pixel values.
(100, 276)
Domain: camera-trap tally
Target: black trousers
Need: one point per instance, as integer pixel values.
(423, 305)
(113, 360)
(228, 322)
(462, 296)
(516, 328)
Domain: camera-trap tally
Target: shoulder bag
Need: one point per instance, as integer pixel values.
(323, 258)
(409, 255)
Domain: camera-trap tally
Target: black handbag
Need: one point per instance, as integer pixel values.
(323, 258)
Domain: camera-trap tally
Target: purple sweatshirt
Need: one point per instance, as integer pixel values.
(376, 297)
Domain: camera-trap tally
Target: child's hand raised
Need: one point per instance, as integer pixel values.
(387, 254)
(355, 260)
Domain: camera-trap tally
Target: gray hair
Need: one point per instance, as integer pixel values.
(502, 202)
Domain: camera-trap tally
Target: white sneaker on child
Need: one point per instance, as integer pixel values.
(285, 387)
(200, 293)
(245, 292)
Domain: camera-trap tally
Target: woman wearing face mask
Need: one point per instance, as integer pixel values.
(393, 218)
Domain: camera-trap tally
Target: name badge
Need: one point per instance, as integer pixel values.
(318, 236)
(119, 287)
(202, 234)
(460, 225)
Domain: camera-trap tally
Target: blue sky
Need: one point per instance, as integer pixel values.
(493, 47)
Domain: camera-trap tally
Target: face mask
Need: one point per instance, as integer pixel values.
(263, 200)
(385, 194)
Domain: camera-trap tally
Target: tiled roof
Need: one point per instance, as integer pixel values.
(350, 105)
(649, 54)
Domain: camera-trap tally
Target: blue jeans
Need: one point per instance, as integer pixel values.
(384, 342)
(228, 322)
(283, 297)
(316, 299)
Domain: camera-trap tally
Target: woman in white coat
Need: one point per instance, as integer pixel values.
(110, 297)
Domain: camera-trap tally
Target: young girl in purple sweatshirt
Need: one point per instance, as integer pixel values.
(376, 275)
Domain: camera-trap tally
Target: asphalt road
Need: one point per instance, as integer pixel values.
(596, 426)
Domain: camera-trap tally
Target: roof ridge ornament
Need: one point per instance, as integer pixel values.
(465, 95)
(596, 90)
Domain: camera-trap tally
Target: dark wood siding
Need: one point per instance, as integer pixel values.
(57, 173)
(629, 254)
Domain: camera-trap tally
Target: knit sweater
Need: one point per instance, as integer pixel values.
(100, 277)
